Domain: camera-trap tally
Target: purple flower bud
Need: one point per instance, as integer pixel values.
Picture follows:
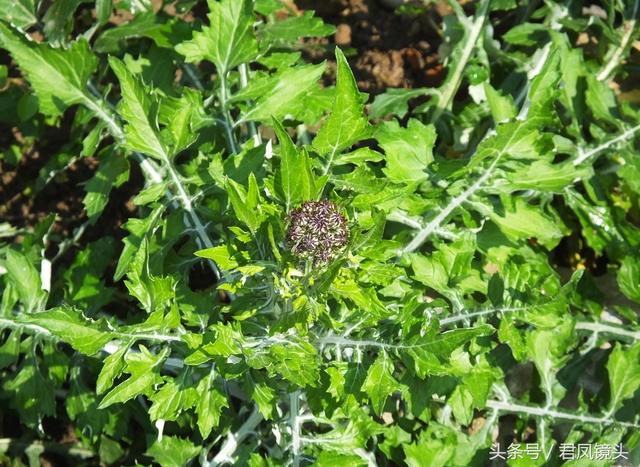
(317, 230)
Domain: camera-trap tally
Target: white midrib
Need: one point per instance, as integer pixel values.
(202, 238)
(617, 55)
(556, 414)
(585, 155)
(456, 202)
(447, 95)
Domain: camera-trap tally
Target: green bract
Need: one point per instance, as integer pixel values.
(196, 299)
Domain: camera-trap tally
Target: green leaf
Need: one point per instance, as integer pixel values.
(142, 25)
(523, 221)
(437, 443)
(225, 341)
(239, 201)
(408, 151)
(10, 350)
(34, 396)
(394, 102)
(502, 107)
(58, 76)
(154, 293)
(294, 181)
(70, 326)
(280, 92)
(144, 376)
(629, 278)
(26, 281)
(112, 367)
(295, 27)
(380, 382)
(430, 271)
(174, 397)
(527, 34)
(624, 374)
(58, 20)
(210, 403)
(346, 123)
(228, 41)
(171, 451)
(20, 13)
(135, 107)
(103, 10)
(113, 172)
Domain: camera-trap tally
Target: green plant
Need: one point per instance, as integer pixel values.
(404, 343)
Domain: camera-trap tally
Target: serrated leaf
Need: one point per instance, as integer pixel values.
(295, 27)
(171, 451)
(175, 396)
(228, 41)
(20, 13)
(142, 25)
(629, 278)
(210, 403)
(136, 384)
(34, 397)
(502, 107)
(394, 102)
(58, 20)
(380, 382)
(239, 198)
(624, 374)
(408, 151)
(112, 367)
(294, 182)
(135, 107)
(346, 123)
(69, 325)
(280, 92)
(58, 76)
(24, 277)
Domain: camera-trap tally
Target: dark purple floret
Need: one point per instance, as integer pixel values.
(317, 230)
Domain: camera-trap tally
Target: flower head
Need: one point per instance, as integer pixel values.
(317, 230)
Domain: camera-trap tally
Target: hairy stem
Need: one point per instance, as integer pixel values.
(455, 76)
(233, 440)
(510, 407)
(151, 173)
(436, 222)
(233, 147)
(584, 155)
(616, 57)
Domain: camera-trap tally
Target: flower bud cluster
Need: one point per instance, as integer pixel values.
(317, 231)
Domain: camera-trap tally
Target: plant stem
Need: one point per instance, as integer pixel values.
(557, 414)
(152, 174)
(244, 82)
(455, 77)
(616, 57)
(456, 202)
(233, 147)
(233, 440)
(294, 408)
(585, 155)
(606, 329)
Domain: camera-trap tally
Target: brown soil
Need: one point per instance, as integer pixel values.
(24, 206)
(385, 49)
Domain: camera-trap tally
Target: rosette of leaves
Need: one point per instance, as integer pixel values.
(455, 304)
